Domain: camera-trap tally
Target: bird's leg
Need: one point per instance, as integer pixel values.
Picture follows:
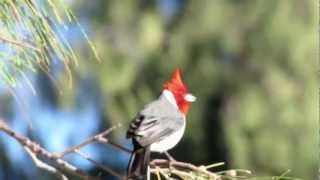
(170, 158)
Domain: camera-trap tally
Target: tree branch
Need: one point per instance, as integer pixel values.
(44, 166)
(160, 167)
(187, 171)
(163, 163)
(107, 141)
(119, 176)
(36, 150)
(90, 140)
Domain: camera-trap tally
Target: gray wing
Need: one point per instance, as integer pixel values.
(156, 121)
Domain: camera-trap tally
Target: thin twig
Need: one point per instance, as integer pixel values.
(41, 165)
(18, 43)
(99, 165)
(166, 172)
(87, 141)
(181, 165)
(124, 149)
(157, 170)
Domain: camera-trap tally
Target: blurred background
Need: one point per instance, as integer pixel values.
(251, 64)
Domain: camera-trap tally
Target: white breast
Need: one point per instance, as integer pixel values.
(169, 142)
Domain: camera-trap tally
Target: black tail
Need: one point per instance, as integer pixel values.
(138, 164)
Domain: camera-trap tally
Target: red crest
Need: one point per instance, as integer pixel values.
(179, 90)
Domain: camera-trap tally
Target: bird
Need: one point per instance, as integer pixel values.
(159, 126)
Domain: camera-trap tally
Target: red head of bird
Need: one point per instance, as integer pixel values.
(182, 97)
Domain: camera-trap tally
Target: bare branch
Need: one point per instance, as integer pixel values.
(160, 167)
(99, 165)
(87, 141)
(180, 165)
(107, 141)
(40, 151)
(187, 171)
(41, 165)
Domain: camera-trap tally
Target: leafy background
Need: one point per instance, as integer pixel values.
(252, 65)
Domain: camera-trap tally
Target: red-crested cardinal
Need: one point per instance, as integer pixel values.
(159, 126)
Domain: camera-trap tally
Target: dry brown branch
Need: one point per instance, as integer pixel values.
(160, 167)
(35, 150)
(177, 165)
(42, 165)
(185, 170)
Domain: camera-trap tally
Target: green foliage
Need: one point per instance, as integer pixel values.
(31, 38)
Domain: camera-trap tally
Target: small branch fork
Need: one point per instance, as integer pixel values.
(57, 165)
(54, 163)
(97, 138)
